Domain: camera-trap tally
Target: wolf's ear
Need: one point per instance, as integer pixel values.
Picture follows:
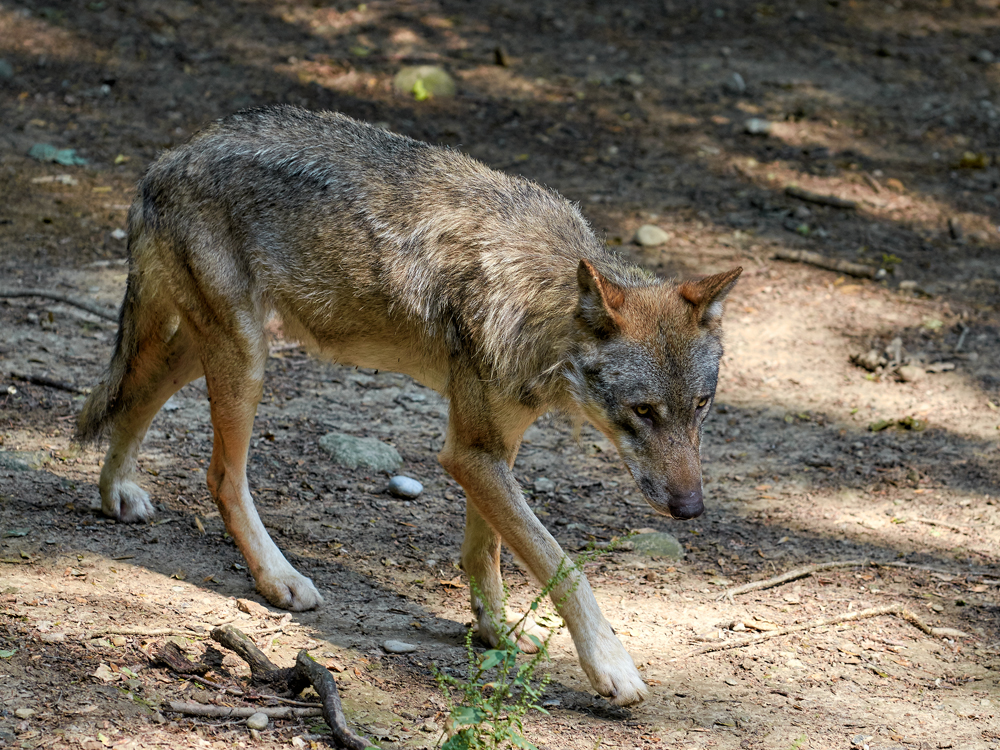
(599, 300)
(706, 296)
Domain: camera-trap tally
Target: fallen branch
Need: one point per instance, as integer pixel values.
(60, 385)
(173, 657)
(890, 609)
(333, 713)
(262, 669)
(305, 672)
(819, 198)
(831, 264)
(227, 712)
(82, 304)
(791, 575)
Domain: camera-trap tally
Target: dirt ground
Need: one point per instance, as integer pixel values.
(633, 110)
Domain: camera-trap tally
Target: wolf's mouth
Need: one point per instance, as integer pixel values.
(680, 505)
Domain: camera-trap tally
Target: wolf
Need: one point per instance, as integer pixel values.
(384, 252)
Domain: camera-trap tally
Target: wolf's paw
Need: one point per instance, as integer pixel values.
(611, 670)
(489, 635)
(289, 589)
(126, 502)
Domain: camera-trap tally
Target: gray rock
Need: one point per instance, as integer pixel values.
(24, 713)
(650, 235)
(423, 81)
(910, 373)
(658, 544)
(757, 126)
(736, 84)
(354, 452)
(257, 721)
(985, 56)
(6, 69)
(398, 647)
(405, 487)
(23, 460)
(544, 485)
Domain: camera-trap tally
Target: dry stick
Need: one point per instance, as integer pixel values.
(791, 575)
(60, 385)
(83, 305)
(943, 525)
(890, 609)
(262, 669)
(148, 632)
(333, 713)
(226, 712)
(823, 200)
(802, 572)
(830, 264)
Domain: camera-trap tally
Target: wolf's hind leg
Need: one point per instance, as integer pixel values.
(234, 372)
(158, 369)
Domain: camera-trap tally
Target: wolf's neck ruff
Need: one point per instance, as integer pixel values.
(381, 251)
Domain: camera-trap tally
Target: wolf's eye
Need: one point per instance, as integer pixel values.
(644, 410)
(703, 402)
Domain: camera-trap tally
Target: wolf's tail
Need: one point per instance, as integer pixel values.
(106, 401)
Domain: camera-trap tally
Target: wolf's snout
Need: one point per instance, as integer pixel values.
(686, 505)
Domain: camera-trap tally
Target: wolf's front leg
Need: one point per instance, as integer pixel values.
(481, 562)
(496, 497)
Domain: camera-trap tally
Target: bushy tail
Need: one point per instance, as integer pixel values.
(106, 401)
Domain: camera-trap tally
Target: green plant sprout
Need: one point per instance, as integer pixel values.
(487, 709)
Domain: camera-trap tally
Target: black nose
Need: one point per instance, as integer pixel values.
(686, 505)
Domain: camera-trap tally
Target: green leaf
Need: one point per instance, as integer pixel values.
(534, 639)
(534, 605)
(4, 654)
(492, 658)
(458, 741)
(519, 741)
(467, 715)
(420, 92)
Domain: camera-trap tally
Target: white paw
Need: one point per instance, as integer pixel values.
(289, 589)
(127, 502)
(611, 670)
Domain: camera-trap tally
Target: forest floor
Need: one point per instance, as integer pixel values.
(633, 110)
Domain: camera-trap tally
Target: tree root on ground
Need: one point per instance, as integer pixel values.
(292, 680)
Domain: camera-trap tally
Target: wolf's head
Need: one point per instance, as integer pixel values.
(645, 373)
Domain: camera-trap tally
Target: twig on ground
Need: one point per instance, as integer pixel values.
(60, 385)
(791, 575)
(830, 264)
(807, 570)
(148, 632)
(890, 609)
(943, 525)
(819, 198)
(15, 561)
(82, 304)
(227, 712)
